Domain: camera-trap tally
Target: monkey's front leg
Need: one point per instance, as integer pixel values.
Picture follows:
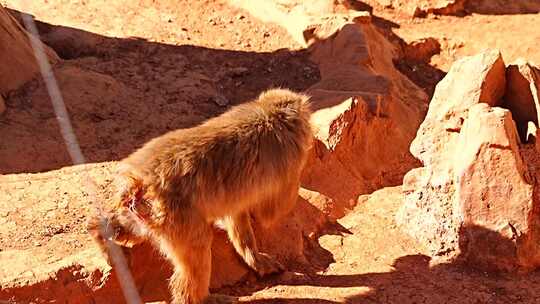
(241, 235)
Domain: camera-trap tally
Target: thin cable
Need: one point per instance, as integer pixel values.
(122, 271)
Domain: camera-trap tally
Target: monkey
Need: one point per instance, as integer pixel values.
(240, 166)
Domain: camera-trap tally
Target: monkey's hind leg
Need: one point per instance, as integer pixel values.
(241, 235)
(189, 250)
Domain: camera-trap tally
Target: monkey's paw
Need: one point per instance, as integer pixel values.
(266, 264)
(217, 298)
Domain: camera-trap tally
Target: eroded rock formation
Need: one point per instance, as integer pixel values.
(475, 196)
(17, 61)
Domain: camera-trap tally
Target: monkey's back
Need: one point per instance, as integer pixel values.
(231, 161)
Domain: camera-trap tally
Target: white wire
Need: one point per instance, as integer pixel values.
(123, 273)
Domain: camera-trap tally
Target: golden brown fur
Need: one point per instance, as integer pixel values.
(244, 163)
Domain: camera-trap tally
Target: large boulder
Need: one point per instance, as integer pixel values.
(17, 61)
(470, 81)
(494, 190)
(474, 173)
(365, 112)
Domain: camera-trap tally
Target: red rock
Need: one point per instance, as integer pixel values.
(17, 61)
(471, 80)
(429, 212)
(474, 197)
(494, 190)
(422, 50)
(522, 95)
(90, 278)
(365, 112)
(366, 115)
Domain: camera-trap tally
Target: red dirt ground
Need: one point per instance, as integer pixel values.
(127, 92)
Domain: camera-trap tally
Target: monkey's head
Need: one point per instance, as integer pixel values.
(292, 108)
(286, 99)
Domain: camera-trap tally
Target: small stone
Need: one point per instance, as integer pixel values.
(63, 204)
(532, 132)
(238, 71)
(386, 3)
(417, 12)
(220, 100)
(288, 276)
(167, 18)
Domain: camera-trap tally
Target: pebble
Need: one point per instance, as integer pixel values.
(238, 71)
(220, 100)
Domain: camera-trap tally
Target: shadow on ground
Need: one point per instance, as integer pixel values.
(123, 92)
(413, 60)
(413, 280)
